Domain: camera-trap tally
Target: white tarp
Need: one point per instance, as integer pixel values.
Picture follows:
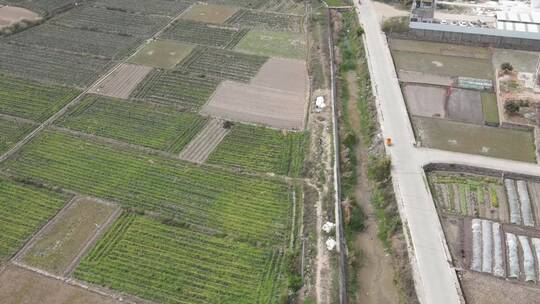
(498, 264)
(476, 263)
(487, 246)
(328, 227)
(515, 216)
(536, 245)
(528, 259)
(331, 244)
(525, 202)
(513, 259)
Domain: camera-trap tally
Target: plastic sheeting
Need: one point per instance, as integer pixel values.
(513, 259)
(536, 245)
(498, 264)
(528, 259)
(476, 263)
(525, 202)
(515, 216)
(487, 246)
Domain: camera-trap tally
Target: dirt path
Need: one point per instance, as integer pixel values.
(376, 276)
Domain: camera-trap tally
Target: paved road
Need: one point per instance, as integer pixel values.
(436, 279)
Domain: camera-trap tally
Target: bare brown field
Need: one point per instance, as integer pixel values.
(122, 81)
(425, 100)
(211, 13)
(283, 74)
(58, 246)
(163, 54)
(22, 286)
(255, 104)
(424, 78)
(466, 106)
(206, 141)
(10, 15)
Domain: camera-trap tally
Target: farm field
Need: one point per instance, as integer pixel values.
(162, 54)
(436, 48)
(147, 7)
(60, 243)
(10, 15)
(50, 66)
(474, 139)
(466, 106)
(23, 210)
(19, 285)
(42, 7)
(11, 131)
(262, 150)
(192, 267)
(32, 100)
(425, 100)
(70, 39)
(247, 208)
(222, 64)
(210, 13)
(267, 21)
(204, 34)
(490, 109)
(205, 142)
(122, 81)
(176, 88)
(273, 44)
(147, 125)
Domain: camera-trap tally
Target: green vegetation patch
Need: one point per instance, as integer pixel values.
(162, 54)
(11, 131)
(336, 2)
(222, 64)
(468, 138)
(443, 65)
(440, 48)
(490, 109)
(204, 199)
(137, 123)
(274, 44)
(261, 149)
(204, 34)
(171, 264)
(176, 88)
(32, 100)
(61, 244)
(23, 210)
(267, 21)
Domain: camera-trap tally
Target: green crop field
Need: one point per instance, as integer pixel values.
(489, 108)
(261, 149)
(11, 131)
(222, 64)
(204, 34)
(32, 100)
(151, 126)
(177, 88)
(204, 199)
(274, 44)
(173, 264)
(23, 210)
(267, 21)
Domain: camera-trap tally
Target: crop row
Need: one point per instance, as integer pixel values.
(261, 149)
(172, 264)
(32, 100)
(78, 41)
(49, 65)
(23, 209)
(137, 123)
(222, 64)
(111, 21)
(11, 131)
(211, 200)
(177, 88)
(146, 7)
(43, 7)
(266, 21)
(204, 34)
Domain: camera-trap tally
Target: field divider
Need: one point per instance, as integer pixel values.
(78, 98)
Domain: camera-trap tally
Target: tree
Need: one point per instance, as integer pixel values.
(507, 67)
(512, 107)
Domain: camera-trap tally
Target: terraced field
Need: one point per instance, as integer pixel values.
(23, 209)
(50, 66)
(137, 123)
(262, 150)
(204, 199)
(177, 88)
(11, 131)
(69, 39)
(193, 267)
(222, 64)
(32, 100)
(204, 34)
(267, 21)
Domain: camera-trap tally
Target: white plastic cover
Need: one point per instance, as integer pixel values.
(476, 263)
(528, 259)
(487, 246)
(513, 260)
(515, 216)
(525, 202)
(498, 264)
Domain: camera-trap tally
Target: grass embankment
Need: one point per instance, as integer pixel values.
(352, 56)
